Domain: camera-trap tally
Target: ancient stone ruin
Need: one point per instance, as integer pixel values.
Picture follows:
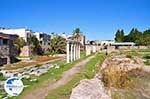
(95, 88)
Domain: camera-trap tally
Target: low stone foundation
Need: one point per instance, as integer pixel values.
(25, 51)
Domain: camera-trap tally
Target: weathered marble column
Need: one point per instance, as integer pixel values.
(74, 51)
(79, 51)
(71, 57)
(68, 55)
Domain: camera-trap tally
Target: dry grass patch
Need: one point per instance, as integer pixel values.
(114, 77)
(36, 61)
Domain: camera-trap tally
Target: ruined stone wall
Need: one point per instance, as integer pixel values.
(4, 54)
(88, 50)
(141, 47)
(4, 50)
(110, 49)
(91, 49)
(25, 51)
(125, 47)
(133, 47)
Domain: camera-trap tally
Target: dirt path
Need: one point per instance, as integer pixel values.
(42, 92)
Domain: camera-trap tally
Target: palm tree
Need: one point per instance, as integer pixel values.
(77, 34)
(58, 45)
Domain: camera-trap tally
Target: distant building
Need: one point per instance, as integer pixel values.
(53, 35)
(42, 37)
(63, 35)
(44, 40)
(123, 45)
(7, 49)
(112, 43)
(21, 32)
(103, 42)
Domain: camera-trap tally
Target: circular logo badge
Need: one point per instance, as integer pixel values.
(13, 86)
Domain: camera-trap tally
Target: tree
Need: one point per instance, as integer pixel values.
(77, 34)
(32, 40)
(58, 45)
(126, 38)
(146, 37)
(19, 43)
(35, 44)
(135, 36)
(119, 37)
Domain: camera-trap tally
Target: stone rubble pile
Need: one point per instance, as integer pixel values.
(26, 72)
(123, 63)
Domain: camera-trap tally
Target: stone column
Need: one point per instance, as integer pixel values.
(71, 57)
(74, 52)
(68, 56)
(79, 51)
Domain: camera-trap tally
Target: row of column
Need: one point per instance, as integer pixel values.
(73, 51)
(90, 49)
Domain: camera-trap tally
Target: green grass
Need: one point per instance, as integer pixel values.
(2, 94)
(144, 54)
(87, 72)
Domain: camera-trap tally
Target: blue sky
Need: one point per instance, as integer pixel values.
(97, 19)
